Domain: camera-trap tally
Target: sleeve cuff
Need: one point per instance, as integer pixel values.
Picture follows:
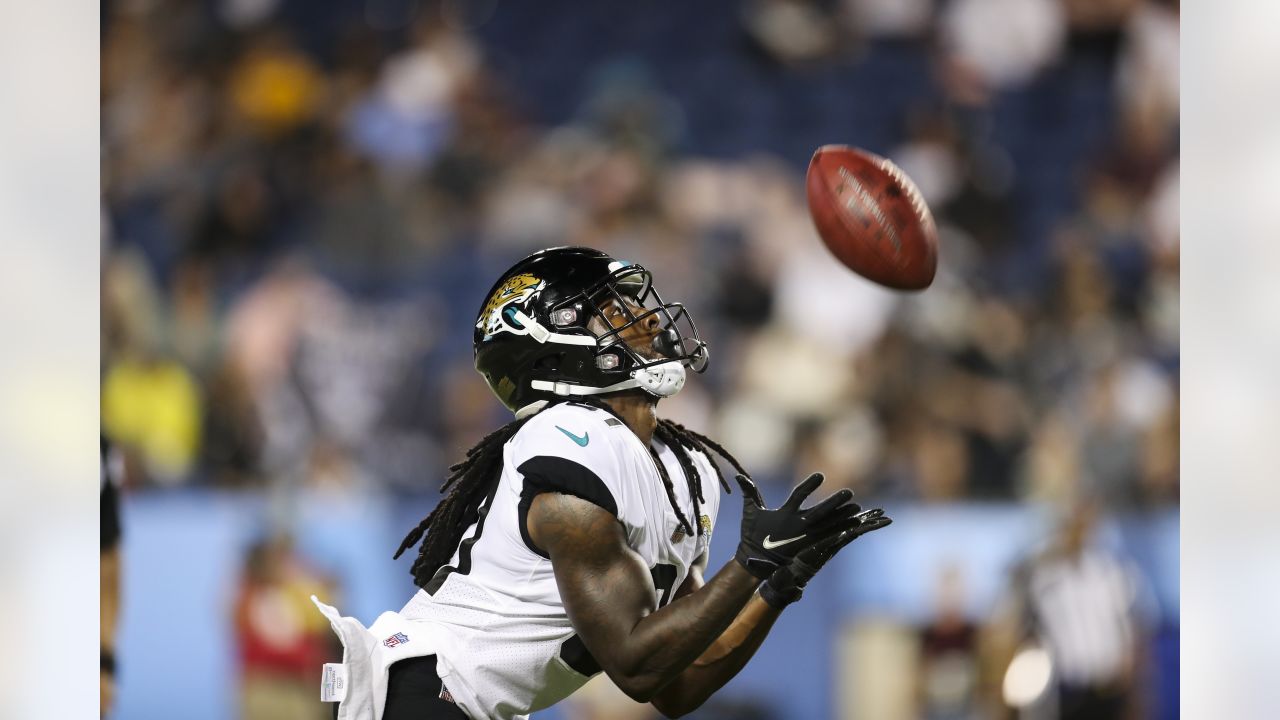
(547, 473)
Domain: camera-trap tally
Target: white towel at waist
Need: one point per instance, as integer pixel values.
(368, 653)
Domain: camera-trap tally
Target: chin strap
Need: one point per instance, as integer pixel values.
(662, 380)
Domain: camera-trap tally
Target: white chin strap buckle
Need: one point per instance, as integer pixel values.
(662, 380)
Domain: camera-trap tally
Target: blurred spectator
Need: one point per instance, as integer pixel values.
(152, 405)
(282, 640)
(1159, 479)
(406, 120)
(949, 656)
(1148, 76)
(1085, 606)
(993, 44)
(1051, 469)
(1099, 15)
(790, 31)
(888, 18)
(845, 448)
(275, 87)
(111, 484)
(940, 459)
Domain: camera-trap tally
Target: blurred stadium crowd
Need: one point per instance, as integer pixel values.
(304, 202)
(304, 208)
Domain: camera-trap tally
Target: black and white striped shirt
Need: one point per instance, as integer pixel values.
(1085, 610)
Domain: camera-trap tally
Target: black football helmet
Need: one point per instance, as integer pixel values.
(532, 343)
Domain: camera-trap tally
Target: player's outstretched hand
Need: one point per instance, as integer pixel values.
(772, 538)
(786, 584)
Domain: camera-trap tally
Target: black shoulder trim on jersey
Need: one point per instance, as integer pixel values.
(579, 659)
(547, 473)
(464, 549)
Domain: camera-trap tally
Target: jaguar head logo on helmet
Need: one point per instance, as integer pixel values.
(572, 322)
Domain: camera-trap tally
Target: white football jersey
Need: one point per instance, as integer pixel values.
(506, 645)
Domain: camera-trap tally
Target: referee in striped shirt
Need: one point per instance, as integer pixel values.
(1081, 604)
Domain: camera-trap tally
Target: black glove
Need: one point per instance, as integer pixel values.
(771, 538)
(786, 584)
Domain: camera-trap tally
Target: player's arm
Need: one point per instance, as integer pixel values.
(729, 652)
(722, 660)
(608, 595)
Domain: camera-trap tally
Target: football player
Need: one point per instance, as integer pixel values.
(573, 540)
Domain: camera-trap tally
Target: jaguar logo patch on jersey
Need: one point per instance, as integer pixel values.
(515, 290)
(704, 522)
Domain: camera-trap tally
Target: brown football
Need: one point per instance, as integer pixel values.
(872, 217)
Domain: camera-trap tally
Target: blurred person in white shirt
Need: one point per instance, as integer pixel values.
(1082, 604)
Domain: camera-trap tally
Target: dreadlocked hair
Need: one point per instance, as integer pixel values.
(681, 440)
(469, 482)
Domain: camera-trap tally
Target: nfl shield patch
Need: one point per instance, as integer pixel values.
(397, 639)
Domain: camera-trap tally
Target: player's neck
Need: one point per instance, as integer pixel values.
(638, 412)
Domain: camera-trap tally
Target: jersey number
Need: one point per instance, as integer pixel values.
(664, 577)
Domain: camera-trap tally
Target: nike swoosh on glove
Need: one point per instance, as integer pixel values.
(771, 538)
(787, 583)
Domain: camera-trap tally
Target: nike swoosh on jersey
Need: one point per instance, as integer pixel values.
(582, 441)
(770, 544)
